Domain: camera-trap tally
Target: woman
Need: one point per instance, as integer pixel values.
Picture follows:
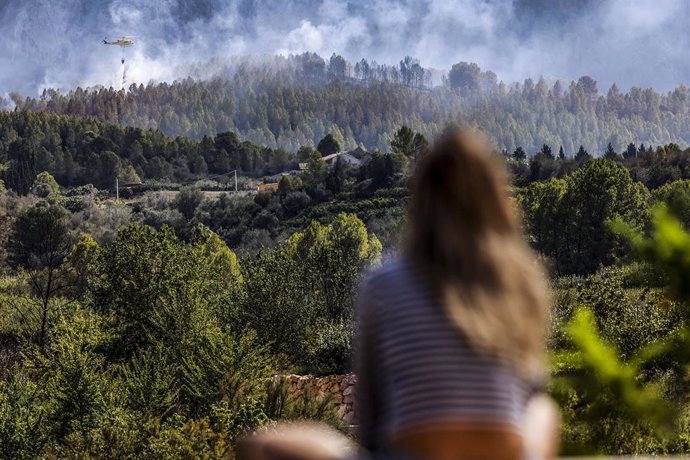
(450, 346)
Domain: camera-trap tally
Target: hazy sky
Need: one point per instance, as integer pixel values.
(57, 43)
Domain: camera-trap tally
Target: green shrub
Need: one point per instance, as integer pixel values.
(23, 413)
(329, 347)
(248, 418)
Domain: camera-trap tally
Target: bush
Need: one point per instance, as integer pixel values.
(187, 200)
(265, 220)
(329, 348)
(628, 318)
(294, 202)
(248, 418)
(676, 195)
(23, 413)
(82, 190)
(45, 185)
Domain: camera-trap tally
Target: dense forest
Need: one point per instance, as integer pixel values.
(149, 327)
(292, 102)
(78, 150)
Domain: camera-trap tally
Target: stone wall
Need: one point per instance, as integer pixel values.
(341, 387)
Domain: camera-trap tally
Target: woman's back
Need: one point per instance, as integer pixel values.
(452, 331)
(417, 370)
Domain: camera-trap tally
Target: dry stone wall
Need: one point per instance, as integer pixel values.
(341, 387)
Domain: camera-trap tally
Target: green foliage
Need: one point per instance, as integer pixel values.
(408, 143)
(62, 390)
(306, 282)
(610, 153)
(569, 219)
(22, 418)
(316, 169)
(73, 373)
(519, 154)
(629, 318)
(332, 258)
(158, 361)
(185, 309)
(605, 405)
(248, 418)
(595, 195)
(119, 434)
(223, 366)
(542, 207)
(385, 169)
(630, 397)
(337, 176)
(278, 306)
(328, 346)
(149, 382)
(78, 151)
(676, 195)
(40, 237)
(668, 248)
(39, 243)
(160, 289)
(328, 145)
(187, 200)
(582, 155)
(45, 185)
(128, 175)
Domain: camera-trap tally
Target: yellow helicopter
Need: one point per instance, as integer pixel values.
(123, 41)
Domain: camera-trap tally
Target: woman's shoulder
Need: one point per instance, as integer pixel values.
(391, 270)
(393, 281)
(379, 288)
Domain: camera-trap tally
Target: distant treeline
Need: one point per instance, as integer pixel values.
(81, 150)
(652, 166)
(296, 101)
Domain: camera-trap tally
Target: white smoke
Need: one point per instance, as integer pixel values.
(59, 44)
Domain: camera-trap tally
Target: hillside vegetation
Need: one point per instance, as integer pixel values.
(291, 102)
(149, 327)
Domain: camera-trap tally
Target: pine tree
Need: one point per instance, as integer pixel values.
(610, 153)
(582, 154)
(519, 154)
(631, 151)
(546, 151)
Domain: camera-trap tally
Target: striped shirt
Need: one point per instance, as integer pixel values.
(414, 366)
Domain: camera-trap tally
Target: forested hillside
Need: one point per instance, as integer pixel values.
(150, 326)
(80, 150)
(290, 102)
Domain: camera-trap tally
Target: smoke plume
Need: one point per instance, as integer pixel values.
(59, 44)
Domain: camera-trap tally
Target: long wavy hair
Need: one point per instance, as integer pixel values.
(464, 234)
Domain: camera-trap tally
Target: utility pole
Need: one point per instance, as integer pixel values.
(235, 181)
(117, 189)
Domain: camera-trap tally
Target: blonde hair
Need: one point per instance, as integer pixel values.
(464, 234)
